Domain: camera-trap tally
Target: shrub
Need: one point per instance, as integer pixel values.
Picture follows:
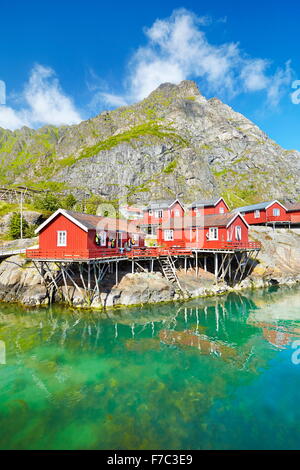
(30, 231)
(14, 229)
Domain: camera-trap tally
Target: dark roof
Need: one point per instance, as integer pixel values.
(254, 207)
(213, 220)
(93, 222)
(293, 206)
(204, 203)
(163, 204)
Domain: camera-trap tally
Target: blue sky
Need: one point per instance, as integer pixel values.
(63, 61)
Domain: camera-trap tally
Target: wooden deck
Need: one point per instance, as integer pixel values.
(138, 253)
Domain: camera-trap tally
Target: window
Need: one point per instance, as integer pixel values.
(276, 212)
(238, 233)
(168, 235)
(159, 214)
(62, 238)
(257, 214)
(213, 233)
(177, 213)
(150, 230)
(221, 210)
(229, 235)
(150, 212)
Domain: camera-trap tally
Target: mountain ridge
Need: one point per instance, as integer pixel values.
(175, 142)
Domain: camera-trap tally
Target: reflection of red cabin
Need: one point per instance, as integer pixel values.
(294, 212)
(213, 231)
(155, 213)
(264, 212)
(215, 206)
(73, 234)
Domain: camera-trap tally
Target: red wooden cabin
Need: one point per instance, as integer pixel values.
(156, 212)
(264, 212)
(68, 234)
(294, 212)
(214, 231)
(214, 206)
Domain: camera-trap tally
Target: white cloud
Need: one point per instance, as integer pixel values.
(44, 102)
(177, 48)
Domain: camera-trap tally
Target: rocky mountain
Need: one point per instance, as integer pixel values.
(174, 142)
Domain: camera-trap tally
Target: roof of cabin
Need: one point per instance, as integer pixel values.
(293, 206)
(162, 204)
(255, 207)
(93, 222)
(206, 202)
(213, 220)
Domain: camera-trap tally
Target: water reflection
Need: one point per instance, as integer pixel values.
(94, 380)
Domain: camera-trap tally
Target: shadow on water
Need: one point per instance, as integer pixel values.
(146, 377)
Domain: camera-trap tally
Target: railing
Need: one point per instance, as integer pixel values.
(151, 252)
(280, 218)
(219, 245)
(4, 253)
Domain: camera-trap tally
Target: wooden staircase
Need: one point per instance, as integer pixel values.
(169, 270)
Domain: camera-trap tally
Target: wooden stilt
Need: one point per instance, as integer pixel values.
(216, 265)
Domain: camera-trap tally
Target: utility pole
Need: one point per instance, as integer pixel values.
(21, 214)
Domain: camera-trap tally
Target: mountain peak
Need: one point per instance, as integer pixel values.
(185, 89)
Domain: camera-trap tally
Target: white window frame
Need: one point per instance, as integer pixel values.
(222, 210)
(150, 212)
(168, 235)
(177, 213)
(61, 238)
(213, 233)
(229, 235)
(159, 214)
(238, 233)
(257, 214)
(276, 212)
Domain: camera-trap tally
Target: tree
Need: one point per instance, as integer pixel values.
(14, 229)
(48, 202)
(68, 202)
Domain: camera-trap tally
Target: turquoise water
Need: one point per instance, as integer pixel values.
(207, 374)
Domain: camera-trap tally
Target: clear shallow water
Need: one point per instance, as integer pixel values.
(207, 374)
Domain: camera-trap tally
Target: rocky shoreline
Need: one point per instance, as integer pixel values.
(278, 263)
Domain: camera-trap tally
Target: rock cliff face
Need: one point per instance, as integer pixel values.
(278, 263)
(175, 142)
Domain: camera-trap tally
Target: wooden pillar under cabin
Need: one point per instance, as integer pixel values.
(152, 265)
(223, 267)
(205, 263)
(89, 277)
(185, 264)
(196, 263)
(117, 273)
(229, 268)
(132, 266)
(216, 265)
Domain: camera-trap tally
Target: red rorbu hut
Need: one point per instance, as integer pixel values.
(68, 234)
(156, 212)
(264, 212)
(214, 231)
(294, 212)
